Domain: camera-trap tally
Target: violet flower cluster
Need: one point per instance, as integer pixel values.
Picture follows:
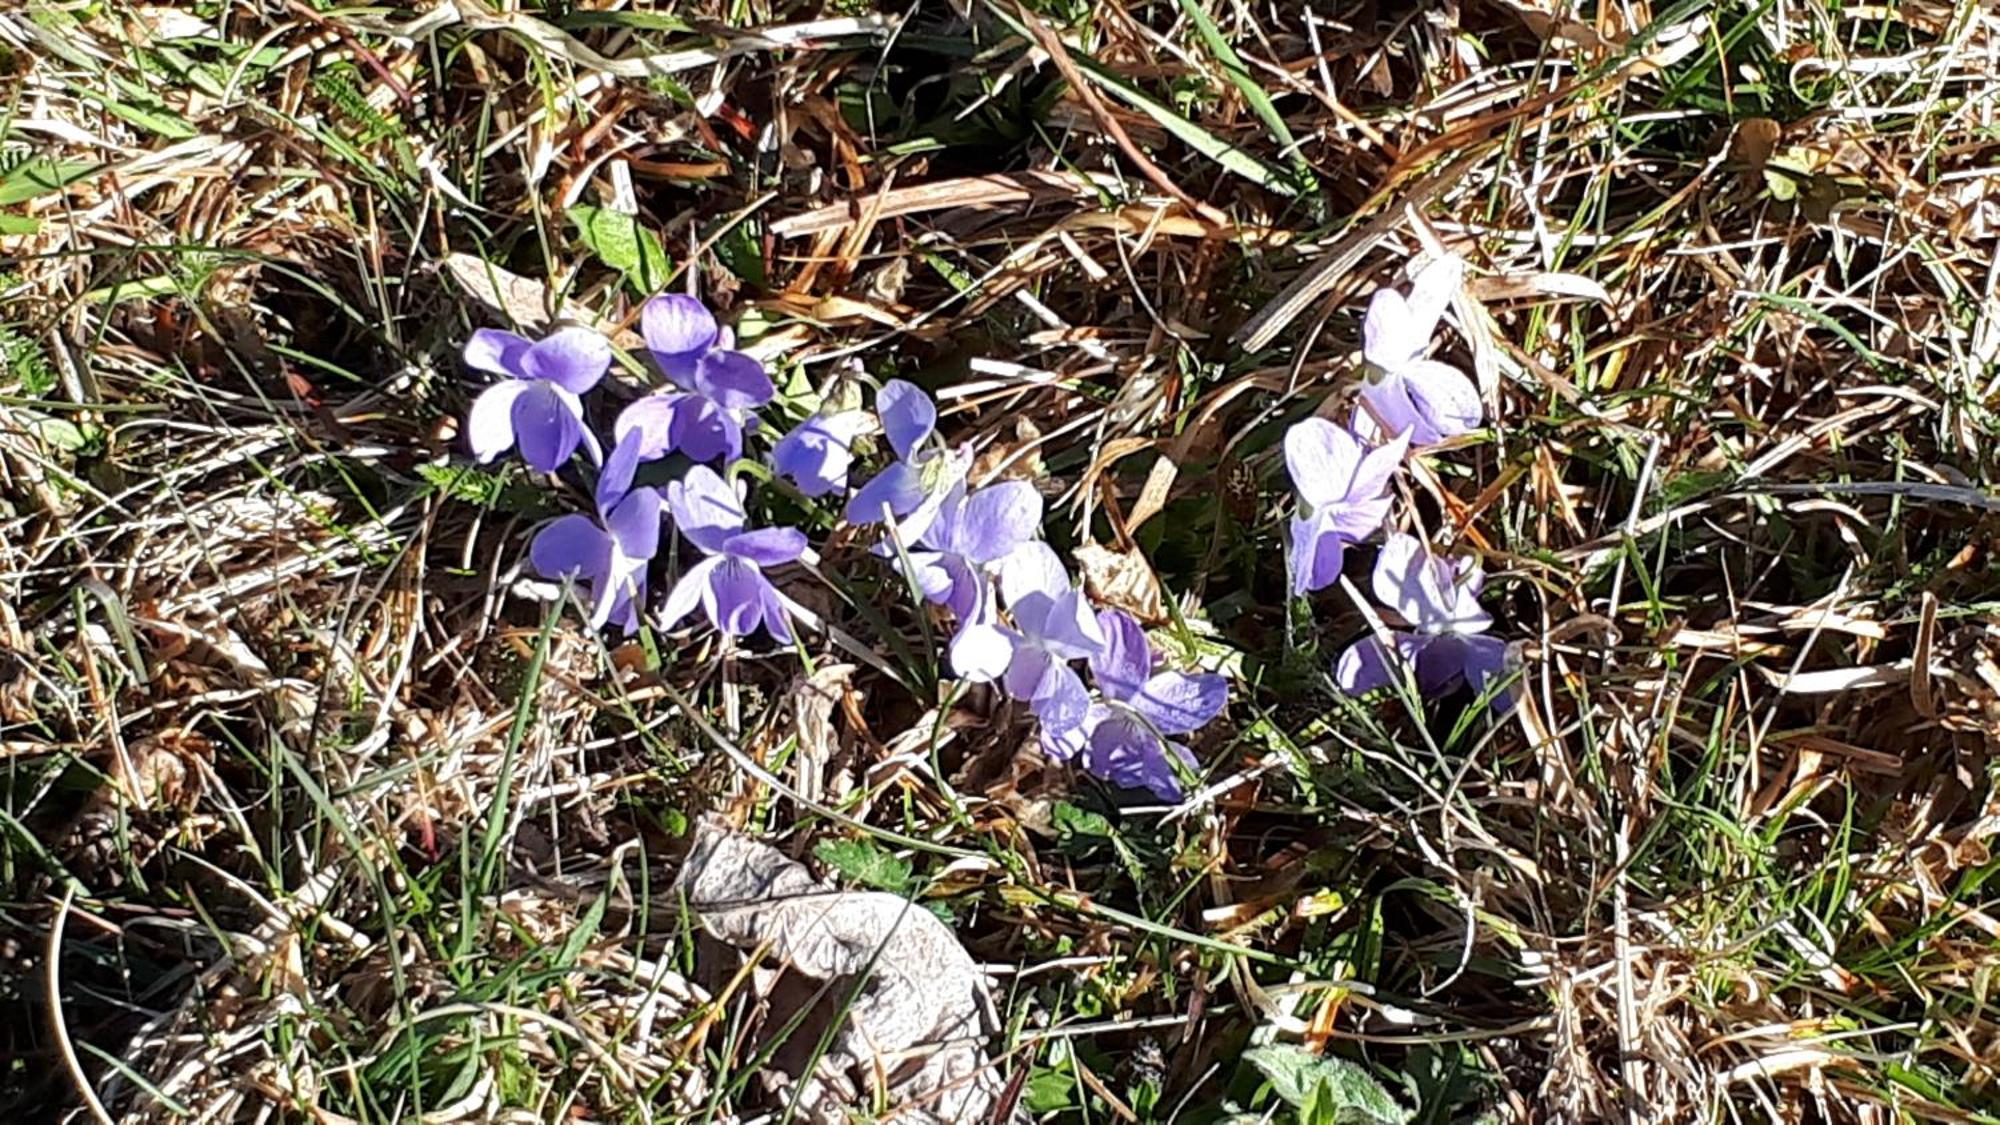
(1020, 622)
(1343, 477)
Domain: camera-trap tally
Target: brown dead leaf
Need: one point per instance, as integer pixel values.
(1122, 580)
(525, 301)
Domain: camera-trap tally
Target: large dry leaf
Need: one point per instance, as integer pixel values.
(917, 1028)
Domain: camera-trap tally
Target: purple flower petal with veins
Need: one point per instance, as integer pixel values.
(912, 487)
(965, 544)
(909, 417)
(729, 585)
(1126, 734)
(1424, 399)
(679, 330)
(1052, 625)
(536, 406)
(1445, 645)
(606, 557)
(718, 388)
(817, 453)
(1129, 754)
(1343, 487)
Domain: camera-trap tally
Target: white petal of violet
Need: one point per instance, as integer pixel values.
(1322, 459)
(489, 425)
(1445, 398)
(1432, 290)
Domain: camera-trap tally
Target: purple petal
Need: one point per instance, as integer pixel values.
(571, 546)
(908, 416)
(1129, 756)
(623, 609)
(615, 479)
(1067, 628)
(703, 431)
(625, 585)
(1441, 665)
(735, 597)
(1387, 398)
(1378, 466)
(899, 488)
(1444, 398)
(1025, 673)
(1486, 668)
(814, 456)
(1034, 568)
(766, 546)
(1357, 519)
(933, 574)
(705, 509)
(777, 620)
(1126, 660)
(1062, 701)
(981, 652)
(732, 380)
(950, 581)
(678, 329)
(497, 352)
(489, 426)
(1065, 744)
(1177, 703)
(1364, 667)
(1405, 580)
(687, 593)
(1432, 290)
(994, 520)
(1322, 459)
(1317, 551)
(1391, 338)
(546, 425)
(635, 524)
(649, 423)
(573, 359)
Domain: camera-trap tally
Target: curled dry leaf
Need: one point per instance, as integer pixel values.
(814, 701)
(1121, 580)
(523, 301)
(921, 1014)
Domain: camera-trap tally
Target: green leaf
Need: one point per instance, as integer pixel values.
(58, 433)
(1073, 821)
(866, 862)
(39, 176)
(1049, 1091)
(743, 252)
(1259, 101)
(1324, 1089)
(623, 243)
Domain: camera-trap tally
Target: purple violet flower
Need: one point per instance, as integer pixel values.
(1343, 489)
(968, 540)
(537, 406)
(1439, 600)
(914, 485)
(729, 584)
(815, 455)
(1423, 398)
(607, 556)
(717, 387)
(1126, 735)
(1052, 626)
